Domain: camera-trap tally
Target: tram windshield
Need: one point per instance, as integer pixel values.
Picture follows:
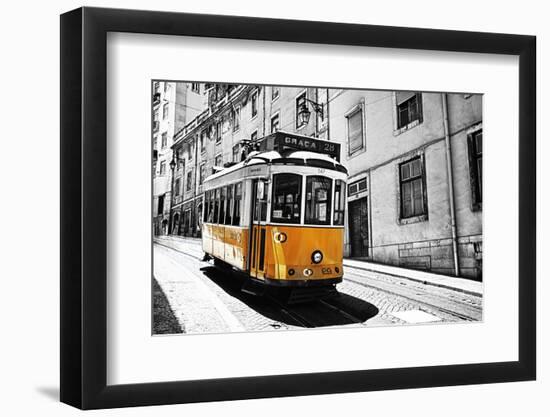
(287, 191)
(318, 200)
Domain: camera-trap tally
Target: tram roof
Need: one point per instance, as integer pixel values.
(298, 158)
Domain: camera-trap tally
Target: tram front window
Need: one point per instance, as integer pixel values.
(318, 200)
(286, 199)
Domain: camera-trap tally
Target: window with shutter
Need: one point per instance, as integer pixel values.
(412, 188)
(475, 148)
(409, 107)
(355, 131)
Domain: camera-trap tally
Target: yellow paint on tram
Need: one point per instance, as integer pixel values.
(282, 260)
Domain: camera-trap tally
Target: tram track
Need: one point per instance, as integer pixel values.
(420, 303)
(313, 314)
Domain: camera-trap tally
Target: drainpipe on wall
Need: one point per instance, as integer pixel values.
(448, 155)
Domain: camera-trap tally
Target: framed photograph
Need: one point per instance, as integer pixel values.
(258, 208)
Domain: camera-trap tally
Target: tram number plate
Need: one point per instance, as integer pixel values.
(326, 271)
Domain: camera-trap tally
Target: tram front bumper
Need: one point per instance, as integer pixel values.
(302, 282)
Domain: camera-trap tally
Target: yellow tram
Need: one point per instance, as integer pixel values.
(278, 215)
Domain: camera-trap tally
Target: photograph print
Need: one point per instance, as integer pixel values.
(298, 207)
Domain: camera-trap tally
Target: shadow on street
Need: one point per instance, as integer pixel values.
(315, 313)
(164, 320)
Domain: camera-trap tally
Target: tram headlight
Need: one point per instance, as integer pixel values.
(308, 272)
(280, 237)
(317, 256)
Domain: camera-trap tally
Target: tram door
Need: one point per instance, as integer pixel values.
(358, 228)
(257, 243)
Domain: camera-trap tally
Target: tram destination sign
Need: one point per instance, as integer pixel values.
(282, 141)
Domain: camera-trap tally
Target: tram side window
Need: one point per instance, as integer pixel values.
(339, 202)
(216, 206)
(222, 206)
(260, 206)
(211, 206)
(286, 199)
(237, 204)
(229, 205)
(318, 200)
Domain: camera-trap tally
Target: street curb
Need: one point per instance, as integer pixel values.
(425, 282)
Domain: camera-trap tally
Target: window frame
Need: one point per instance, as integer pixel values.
(357, 109)
(356, 183)
(237, 203)
(228, 205)
(341, 208)
(277, 116)
(254, 105)
(236, 118)
(218, 137)
(216, 207)
(177, 186)
(233, 153)
(160, 204)
(202, 172)
(299, 200)
(397, 129)
(328, 221)
(188, 180)
(203, 138)
(476, 183)
(221, 210)
(425, 209)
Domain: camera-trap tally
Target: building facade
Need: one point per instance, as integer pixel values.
(414, 186)
(174, 105)
(414, 163)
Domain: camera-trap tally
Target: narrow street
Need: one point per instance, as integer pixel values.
(192, 296)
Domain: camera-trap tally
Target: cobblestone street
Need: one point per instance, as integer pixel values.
(192, 296)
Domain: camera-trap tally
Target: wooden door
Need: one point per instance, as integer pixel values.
(359, 228)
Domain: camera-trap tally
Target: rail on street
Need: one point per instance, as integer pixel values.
(192, 295)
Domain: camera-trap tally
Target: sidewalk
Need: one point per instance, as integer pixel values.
(453, 283)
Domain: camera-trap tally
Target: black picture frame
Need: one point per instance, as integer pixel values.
(84, 207)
